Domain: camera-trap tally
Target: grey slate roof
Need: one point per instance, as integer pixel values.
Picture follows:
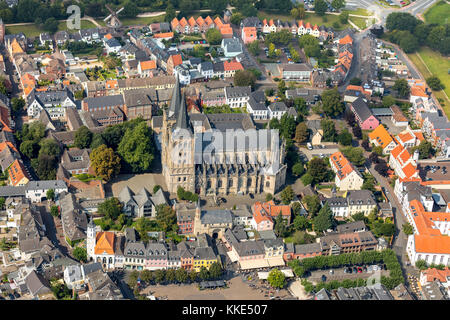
(238, 92)
(105, 101)
(216, 217)
(362, 109)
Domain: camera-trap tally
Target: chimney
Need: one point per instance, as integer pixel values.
(416, 156)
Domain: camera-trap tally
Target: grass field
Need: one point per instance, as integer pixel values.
(360, 12)
(309, 17)
(31, 30)
(438, 13)
(146, 20)
(361, 22)
(438, 65)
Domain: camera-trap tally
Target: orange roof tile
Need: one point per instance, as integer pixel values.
(381, 136)
(405, 136)
(347, 39)
(15, 47)
(163, 35)
(7, 144)
(433, 274)
(259, 214)
(300, 24)
(232, 65)
(209, 21)
(108, 36)
(396, 151)
(341, 163)
(419, 135)
(183, 22)
(17, 172)
(409, 170)
(148, 65)
(176, 59)
(104, 243)
(432, 244)
(418, 92)
(226, 30)
(218, 22)
(200, 21)
(111, 84)
(192, 21)
(271, 22)
(264, 22)
(405, 156)
(174, 23)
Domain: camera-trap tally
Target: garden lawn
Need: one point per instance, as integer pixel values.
(438, 65)
(360, 12)
(438, 13)
(361, 22)
(31, 30)
(145, 20)
(309, 17)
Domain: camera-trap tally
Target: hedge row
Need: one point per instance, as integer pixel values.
(387, 256)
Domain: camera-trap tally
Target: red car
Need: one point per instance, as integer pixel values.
(359, 269)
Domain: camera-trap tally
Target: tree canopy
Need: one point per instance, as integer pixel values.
(105, 162)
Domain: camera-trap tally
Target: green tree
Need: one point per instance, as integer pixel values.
(17, 104)
(160, 275)
(287, 195)
(345, 138)
(338, 4)
(421, 264)
(80, 254)
(166, 217)
(136, 148)
(401, 21)
(301, 132)
(435, 83)
(147, 276)
(343, 17)
(253, 47)
(300, 222)
(354, 155)
(213, 36)
(318, 169)
(402, 87)
(110, 208)
(215, 270)
(329, 130)
(388, 101)
(408, 229)
(171, 275)
(54, 211)
(181, 275)
(276, 279)
(156, 188)
(170, 12)
(130, 10)
(331, 103)
(298, 169)
(29, 148)
(236, 18)
(193, 276)
(312, 204)
(51, 25)
(50, 194)
(105, 162)
(203, 273)
(324, 219)
(355, 81)
(243, 78)
(425, 149)
(269, 197)
(49, 147)
(45, 166)
(307, 179)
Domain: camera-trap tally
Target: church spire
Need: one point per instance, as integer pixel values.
(182, 121)
(176, 98)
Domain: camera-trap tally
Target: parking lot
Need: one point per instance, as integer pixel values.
(340, 274)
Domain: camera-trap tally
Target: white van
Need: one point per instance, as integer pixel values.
(309, 146)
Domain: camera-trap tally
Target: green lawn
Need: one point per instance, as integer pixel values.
(31, 30)
(146, 20)
(438, 13)
(361, 22)
(360, 12)
(439, 66)
(309, 17)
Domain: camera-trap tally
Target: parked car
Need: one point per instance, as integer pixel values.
(324, 278)
(331, 271)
